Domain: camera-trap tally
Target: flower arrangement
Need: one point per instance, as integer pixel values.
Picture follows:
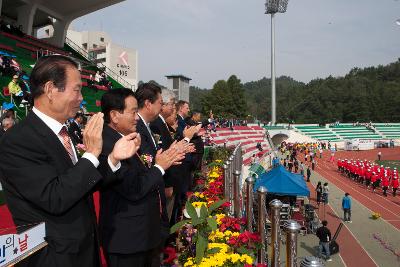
(210, 237)
(246, 242)
(222, 255)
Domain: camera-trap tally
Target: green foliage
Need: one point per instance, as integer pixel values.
(226, 99)
(216, 205)
(178, 226)
(203, 223)
(368, 94)
(218, 153)
(201, 246)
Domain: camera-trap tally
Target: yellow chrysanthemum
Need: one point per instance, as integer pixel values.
(246, 259)
(219, 217)
(198, 204)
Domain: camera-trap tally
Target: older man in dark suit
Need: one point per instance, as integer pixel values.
(173, 177)
(42, 177)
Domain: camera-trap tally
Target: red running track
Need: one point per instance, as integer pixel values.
(351, 251)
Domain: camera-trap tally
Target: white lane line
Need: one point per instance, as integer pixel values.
(355, 238)
(344, 263)
(351, 232)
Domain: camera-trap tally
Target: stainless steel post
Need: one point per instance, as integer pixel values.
(231, 184)
(226, 180)
(249, 202)
(240, 158)
(236, 194)
(261, 229)
(275, 206)
(292, 229)
(311, 261)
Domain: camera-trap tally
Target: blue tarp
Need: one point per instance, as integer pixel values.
(282, 182)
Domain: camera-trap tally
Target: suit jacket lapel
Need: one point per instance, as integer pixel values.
(142, 128)
(49, 137)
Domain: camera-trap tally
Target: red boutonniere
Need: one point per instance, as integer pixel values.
(146, 159)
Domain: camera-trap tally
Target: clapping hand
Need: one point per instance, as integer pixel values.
(189, 132)
(169, 157)
(92, 135)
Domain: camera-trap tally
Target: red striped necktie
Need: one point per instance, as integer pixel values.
(67, 143)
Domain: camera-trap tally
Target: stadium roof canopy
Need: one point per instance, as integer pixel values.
(34, 14)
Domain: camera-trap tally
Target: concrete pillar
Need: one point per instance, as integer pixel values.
(60, 32)
(26, 14)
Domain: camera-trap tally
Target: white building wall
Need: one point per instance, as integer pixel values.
(122, 61)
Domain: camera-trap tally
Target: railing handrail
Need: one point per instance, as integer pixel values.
(108, 71)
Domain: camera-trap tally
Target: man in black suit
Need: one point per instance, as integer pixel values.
(42, 177)
(183, 110)
(149, 100)
(173, 177)
(130, 222)
(197, 156)
(75, 128)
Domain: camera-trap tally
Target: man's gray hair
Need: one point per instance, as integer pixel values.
(167, 95)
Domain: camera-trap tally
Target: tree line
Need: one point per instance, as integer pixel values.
(363, 94)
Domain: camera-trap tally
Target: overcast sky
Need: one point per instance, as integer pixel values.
(209, 40)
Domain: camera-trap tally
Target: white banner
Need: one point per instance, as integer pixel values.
(16, 247)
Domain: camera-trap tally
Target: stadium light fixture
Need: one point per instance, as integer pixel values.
(272, 7)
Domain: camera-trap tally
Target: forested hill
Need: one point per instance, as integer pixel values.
(368, 94)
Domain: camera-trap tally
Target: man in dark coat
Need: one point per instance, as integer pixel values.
(130, 225)
(43, 178)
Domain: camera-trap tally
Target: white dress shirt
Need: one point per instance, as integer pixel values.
(154, 142)
(56, 126)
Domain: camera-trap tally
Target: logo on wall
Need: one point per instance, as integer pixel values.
(123, 57)
(123, 64)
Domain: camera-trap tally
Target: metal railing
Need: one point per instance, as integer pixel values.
(232, 191)
(77, 48)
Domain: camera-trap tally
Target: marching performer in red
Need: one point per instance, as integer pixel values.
(395, 184)
(385, 184)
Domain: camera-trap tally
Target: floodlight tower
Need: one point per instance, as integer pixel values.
(272, 7)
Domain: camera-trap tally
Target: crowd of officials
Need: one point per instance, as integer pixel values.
(140, 153)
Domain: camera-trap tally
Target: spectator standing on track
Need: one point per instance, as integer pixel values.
(379, 155)
(308, 173)
(346, 206)
(324, 235)
(318, 190)
(301, 166)
(325, 193)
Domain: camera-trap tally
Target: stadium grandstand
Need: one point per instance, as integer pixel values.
(20, 47)
(340, 132)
